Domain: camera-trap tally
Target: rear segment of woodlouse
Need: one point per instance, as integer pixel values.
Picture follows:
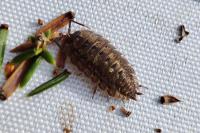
(99, 60)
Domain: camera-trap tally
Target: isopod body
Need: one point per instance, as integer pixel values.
(98, 59)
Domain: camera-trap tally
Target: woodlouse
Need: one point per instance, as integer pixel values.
(98, 59)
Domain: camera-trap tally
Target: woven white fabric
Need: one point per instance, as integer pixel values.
(144, 31)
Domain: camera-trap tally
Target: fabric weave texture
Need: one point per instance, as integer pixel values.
(144, 31)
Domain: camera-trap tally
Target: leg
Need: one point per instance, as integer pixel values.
(61, 55)
(69, 28)
(58, 44)
(141, 86)
(79, 23)
(95, 90)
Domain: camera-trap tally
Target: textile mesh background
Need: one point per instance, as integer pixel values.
(144, 31)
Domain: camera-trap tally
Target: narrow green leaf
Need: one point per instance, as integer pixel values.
(3, 39)
(26, 55)
(49, 83)
(32, 68)
(48, 57)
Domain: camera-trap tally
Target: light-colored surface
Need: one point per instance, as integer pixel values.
(144, 30)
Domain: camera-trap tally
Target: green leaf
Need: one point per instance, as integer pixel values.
(3, 39)
(26, 55)
(32, 68)
(48, 57)
(59, 78)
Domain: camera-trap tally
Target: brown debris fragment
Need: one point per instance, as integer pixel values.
(4, 26)
(2, 95)
(40, 21)
(54, 25)
(66, 130)
(13, 81)
(168, 99)
(24, 46)
(57, 71)
(125, 112)
(182, 33)
(29, 44)
(111, 108)
(157, 130)
(57, 23)
(9, 69)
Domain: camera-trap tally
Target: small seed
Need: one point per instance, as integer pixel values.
(40, 22)
(111, 108)
(157, 130)
(168, 99)
(125, 112)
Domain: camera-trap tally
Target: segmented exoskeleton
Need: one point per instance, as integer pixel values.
(98, 59)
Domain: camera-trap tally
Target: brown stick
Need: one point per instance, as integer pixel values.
(57, 23)
(13, 81)
(54, 25)
(24, 46)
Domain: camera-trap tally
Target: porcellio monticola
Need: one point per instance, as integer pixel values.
(99, 60)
